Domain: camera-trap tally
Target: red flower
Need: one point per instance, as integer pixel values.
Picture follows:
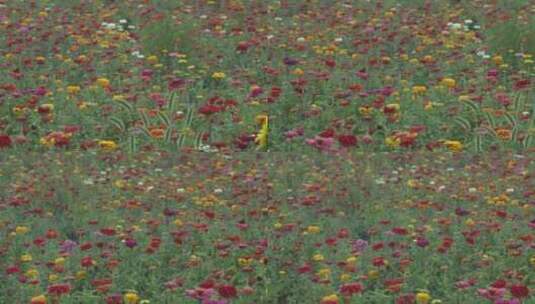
(210, 109)
(347, 140)
(499, 284)
(405, 299)
(5, 141)
(522, 84)
(87, 262)
(519, 291)
(176, 83)
(59, 289)
(327, 133)
(351, 289)
(107, 231)
(400, 231)
(227, 291)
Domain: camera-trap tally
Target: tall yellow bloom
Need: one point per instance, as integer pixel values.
(262, 137)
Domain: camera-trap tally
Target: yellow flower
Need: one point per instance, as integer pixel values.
(103, 82)
(330, 298)
(178, 223)
(373, 274)
(245, 262)
(152, 59)
(324, 273)
(532, 260)
(73, 89)
(418, 90)
(53, 277)
(448, 82)
(351, 260)
(313, 229)
(318, 258)
(25, 258)
(298, 72)
(422, 298)
(454, 145)
(218, 75)
(80, 275)
(41, 299)
(59, 261)
(392, 141)
(262, 137)
(498, 60)
(32, 273)
(344, 277)
(131, 298)
(22, 229)
(107, 145)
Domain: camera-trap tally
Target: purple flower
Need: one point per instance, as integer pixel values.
(360, 245)
(67, 246)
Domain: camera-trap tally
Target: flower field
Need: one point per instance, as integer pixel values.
(328, 152)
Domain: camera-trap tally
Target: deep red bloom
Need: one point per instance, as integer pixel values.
(347, 140)
(107, 231)
(209, 109)
(227, 291)
(522, 84)
(499, 284)
(400, 231)
(351, 289)
(405, 299)
(59, 289)
(176, 83)
(87, 261)
(519, 291)
(5, 141)
(327, 133)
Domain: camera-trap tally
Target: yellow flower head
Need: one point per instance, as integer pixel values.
(41, 299)
(332, 298)
(418, 90)
(218, 75)
(131, 298)
(313, 229)
(103, 82)
(448, 82)
(453, 145)
(422, 298)
(22, 229)
(73, 89)
(107, 145)
(318, 258)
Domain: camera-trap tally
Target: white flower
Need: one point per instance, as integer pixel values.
(301, 39)
(180, 190)
(339, 39)
(123, 21)
(468, 21)
(218, 190)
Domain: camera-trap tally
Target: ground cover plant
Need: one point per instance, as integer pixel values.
(267, 151)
